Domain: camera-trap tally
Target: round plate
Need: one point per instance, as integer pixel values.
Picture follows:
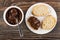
(29, 14)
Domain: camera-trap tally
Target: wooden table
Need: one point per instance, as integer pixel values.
(9, 32)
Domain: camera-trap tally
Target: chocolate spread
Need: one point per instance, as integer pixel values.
(12, 14)
(34, 22)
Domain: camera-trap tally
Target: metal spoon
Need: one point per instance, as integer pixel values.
(19, 27)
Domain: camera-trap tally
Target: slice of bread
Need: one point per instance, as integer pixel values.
(49, 22)
(40, 10)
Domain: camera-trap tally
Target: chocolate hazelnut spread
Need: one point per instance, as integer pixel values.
(11, 14)
(34, 22)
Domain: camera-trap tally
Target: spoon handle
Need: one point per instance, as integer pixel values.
(20, 30)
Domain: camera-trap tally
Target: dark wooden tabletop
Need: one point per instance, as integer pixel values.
(9, 32)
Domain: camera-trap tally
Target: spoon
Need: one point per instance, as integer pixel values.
(16, 18)
(19, 27)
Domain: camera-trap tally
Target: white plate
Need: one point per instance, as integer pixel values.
(29, 14)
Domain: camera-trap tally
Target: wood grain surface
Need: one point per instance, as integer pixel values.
(12, 33)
